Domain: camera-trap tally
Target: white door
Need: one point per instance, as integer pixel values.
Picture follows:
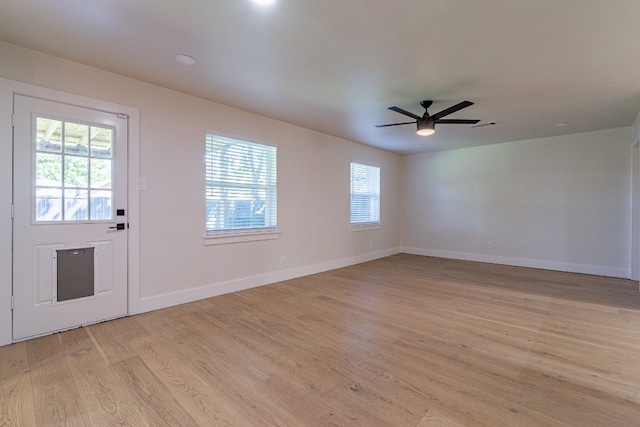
(70, 216)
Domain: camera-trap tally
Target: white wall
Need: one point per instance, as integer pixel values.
(557, 203)
(635, 197)
(175, 265)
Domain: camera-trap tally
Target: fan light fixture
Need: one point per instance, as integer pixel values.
(427, 123)
(426, 126)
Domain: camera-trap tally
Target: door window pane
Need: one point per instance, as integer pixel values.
(48, 204)
(76, 138)
(74, 184)
(48, 169)
(100, 207)
(76, 205)
(49, 135)
(76, 171)
(101, 142)
(100, 173)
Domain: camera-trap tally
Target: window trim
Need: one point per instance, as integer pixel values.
(369, 225)
(249, 236)
(238, 235)
(365, 227)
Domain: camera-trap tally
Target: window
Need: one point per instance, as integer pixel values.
(240, 188)
(73, 171)
(365, 194)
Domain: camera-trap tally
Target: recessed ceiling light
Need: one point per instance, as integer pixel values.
(185, 59)
(264, 1)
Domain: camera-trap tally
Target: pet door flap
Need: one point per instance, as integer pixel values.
(75, 273)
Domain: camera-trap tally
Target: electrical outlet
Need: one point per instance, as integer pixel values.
(489, 245)
(282, 259)
(370, 243)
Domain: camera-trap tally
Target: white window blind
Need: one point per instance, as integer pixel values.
(365, 194)
(241, 186)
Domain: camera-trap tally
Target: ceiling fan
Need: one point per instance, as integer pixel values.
(426, 123)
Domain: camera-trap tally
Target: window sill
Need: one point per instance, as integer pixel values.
(240, 238)
(365, 227)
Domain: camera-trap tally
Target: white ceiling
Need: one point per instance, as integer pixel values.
(335, 66)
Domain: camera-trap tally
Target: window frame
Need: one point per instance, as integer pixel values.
(65, 153)
(214, 236)
(371, 224)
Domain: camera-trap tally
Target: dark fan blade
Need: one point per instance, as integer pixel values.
(457, 121)
(405, 112)
(451, 110)
(395, 124)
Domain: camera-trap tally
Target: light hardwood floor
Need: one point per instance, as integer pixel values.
(401, 341)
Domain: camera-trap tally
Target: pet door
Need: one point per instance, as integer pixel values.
(75, 273)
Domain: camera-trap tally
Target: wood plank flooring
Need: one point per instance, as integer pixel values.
(401, 341)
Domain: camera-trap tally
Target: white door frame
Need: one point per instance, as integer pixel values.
(7, 89)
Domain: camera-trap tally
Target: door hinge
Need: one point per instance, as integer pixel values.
(13, 120)
(12, 212)
(11, 302)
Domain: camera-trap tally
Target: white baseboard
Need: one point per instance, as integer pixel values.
(188, 295)
(596, 270)
(157, 302)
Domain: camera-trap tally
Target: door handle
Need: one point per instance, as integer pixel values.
(119, 226)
